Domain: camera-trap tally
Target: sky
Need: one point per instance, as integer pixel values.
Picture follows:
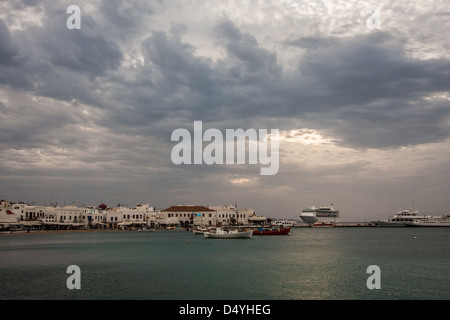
(358, 90)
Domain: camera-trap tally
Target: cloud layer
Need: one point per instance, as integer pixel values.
(87, 115)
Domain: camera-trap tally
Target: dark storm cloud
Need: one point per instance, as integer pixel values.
(246, 51)
(179, 74)
(101, 103)
(57, 62)
(370, 67)
(8, 51)
(86, 51)
(11, 60)
(367, 83)
(369, 93)
(125, 18)
(179, 86)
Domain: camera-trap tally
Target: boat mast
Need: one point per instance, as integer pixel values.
(237, 218)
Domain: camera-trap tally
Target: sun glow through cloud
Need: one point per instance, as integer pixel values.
(304, 136)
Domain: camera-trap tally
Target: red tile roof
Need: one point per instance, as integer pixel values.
(187, 209)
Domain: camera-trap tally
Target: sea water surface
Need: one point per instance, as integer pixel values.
(309, 264)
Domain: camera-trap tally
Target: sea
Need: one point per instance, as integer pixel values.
(308, 264)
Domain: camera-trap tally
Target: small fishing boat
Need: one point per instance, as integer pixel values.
(201, 230)
(234, 233)
(221, 233)
(323, 224)
(272, 231)
(144, 230)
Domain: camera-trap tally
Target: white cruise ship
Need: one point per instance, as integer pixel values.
(324, 214)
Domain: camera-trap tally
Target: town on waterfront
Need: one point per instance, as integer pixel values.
(20, 216)
(23, 217)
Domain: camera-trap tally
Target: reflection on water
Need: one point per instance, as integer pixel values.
(308, 264)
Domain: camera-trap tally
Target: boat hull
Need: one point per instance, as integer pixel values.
(429, 223)
(281, 231)
(390, 224)
(309, 217)
(229, 235)
(323, 224)
(323, 214)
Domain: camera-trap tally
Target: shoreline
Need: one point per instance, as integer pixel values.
(57, 231)
(302, 225)
(20, 232)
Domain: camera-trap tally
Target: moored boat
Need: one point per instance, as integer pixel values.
(443, 221)
(401, 218)
(324, 224)
(143, 229)
(221, 233)
(234, 233)
(201, 230)
(325, 214)
(272, 231)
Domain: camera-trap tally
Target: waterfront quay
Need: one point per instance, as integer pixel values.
(21, 216)
(337, 225)
(25, 217)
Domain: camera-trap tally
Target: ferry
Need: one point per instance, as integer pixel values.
(324, 214)
(443, 221)
(400, 218)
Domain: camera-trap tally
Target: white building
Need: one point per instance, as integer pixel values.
(113, 216)
(137, 216)
(49, 217)
(230, 215)
(8, 216)
(27, 212)
(67, 216)
(92, 217)
(21, 216)
(187, 216)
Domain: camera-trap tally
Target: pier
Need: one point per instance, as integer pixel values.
(338, 225)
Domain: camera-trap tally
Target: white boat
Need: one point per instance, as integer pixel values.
(442, 221)
(201, 230)
(324, 214)
(145, 230)
(400, 218)
(220, 233)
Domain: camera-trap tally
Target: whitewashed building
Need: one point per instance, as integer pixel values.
(186, 216)
(137, 216)
(49, 217)
(29, 213)
(92, 217)
(229, 215)
(113, 216)
(8, 216)
(68, 216)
